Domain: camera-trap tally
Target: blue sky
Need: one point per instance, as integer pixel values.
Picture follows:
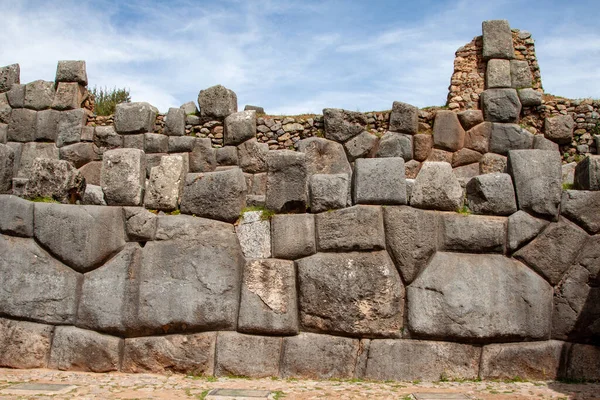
(295, 56)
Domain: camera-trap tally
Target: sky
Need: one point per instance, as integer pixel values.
(291, 57)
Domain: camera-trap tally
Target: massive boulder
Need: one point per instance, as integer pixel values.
(217, 102)
(252, 156)
(247, 355)
(324, 156)
(16, 217)
(379, 181)
(351, 294)
(71, 71)
(491, 194)
(501, 105)
(342, 125)
(472, 233)
(239, 127)
(165, 185)
(253, 230)
(175, 123)
(497, 39)
(75, 349)
(134, 118)
(123, 177)
(583, 207)
(587, 173)
(448, 134)
(497, 74)
(507, 137)
(522, 227)
(394, 144)
(9, 75)
(520, 74)
(293, 236)
(24, 344)
(404, 118)
(287, 181)
(39, 94)
(479, 297)
(56, 179)
(437, 188)
(355, 228)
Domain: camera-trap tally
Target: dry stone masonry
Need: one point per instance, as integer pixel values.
(405, 244)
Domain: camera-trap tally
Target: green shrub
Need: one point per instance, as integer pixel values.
(106, 100)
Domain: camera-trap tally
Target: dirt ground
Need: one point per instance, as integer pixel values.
(149, 386)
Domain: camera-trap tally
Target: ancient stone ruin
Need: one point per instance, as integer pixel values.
(449, 243)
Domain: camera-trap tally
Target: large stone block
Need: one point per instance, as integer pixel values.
(379, 181)
(39, 95)
(552, 252)
(165, 185)
(123, 177)
(7, 161)
(91, 172)
(93, 196)
(522, 227)
(70, 124)
(83, 237)
(497, 39)
(134, 117)
(253, 230)
(583, 207)
(584, 363)
(587, 173)
(155, 143)
(75, 349)
(478, 137)
(470, 118)
(47, 125)
(491, 194)
(293, 236)
(191, 281)
(218, 195)
(16, 217)
(492, 163)
(247, 356)
(106, 138)
(71, 71)
(530, 97)
(57, 179)
(79, 154)
(134, 141)
(34, 285)
(341, 125)
(537, 361)
(328, 192)
(448, 133)
(203, 157)
(404, 118)
(360, 145)
(175, 122)
(541, 143)
(355, 228)
(464, 157)
(408, 360)
(472, 233)
(217, 102)
(9, 75)
(184, 354)
(411, 238)
(68, 96)
(312, 356)
(537, 176)
(559, 128)
(239, 127)
(107, 302)
(437, 188)
(287, 181)
(140, 224)
(394, 144)
(500, 105)
(22, 125)
(32, 150)
(16, 96)
(252, 156)
(268, 301)
(351, 294)
(479, 297)
(227, 155)
(497, 74)
(181, 144)
(520, 74)
(422, 143)
(24, 344)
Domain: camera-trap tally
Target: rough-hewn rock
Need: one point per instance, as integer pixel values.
(75, 349)
(217, 102)
(83, 237)
(175, 122)
(68, 96)
(360, 145)
(520, 74)
(471, 233)
(394, 144)
(436, 187)
(439, 155)
(134, 117)
(491, 194)
(287, 181)
(583, 207)
(324, 156)
(123, 177)
(341, 125)
(470, 118)
(218, 195)
(541, 143)
(34, 285)
(186, 354)
(252, 156)
(406, 360)
(478, 297)
(312, 356)
(155, 143)
(239, 127)
(16, 217)
(448, 133)
(22, 125)
(584, 362)
(537, 176)
(140, 224)
(268, 300)
(355, 228)
(552, 252)
(106, 138)
(507, 137)
(16, 96)
(328, 192)
(497, 39)
(165, 185)
(404, 118)
(227, 155)
(47, 125)
(497, 74)
(465, 173)
(70, 125)
(293, 236)
(352, 294)
(203, 157)
(7, 160)
(57, 179)
(412, 169)
(93, 196)
(78, 154)
(39, 95)
(587, 173)
(9, 75)
(491, 163)
(24, 344)
(246, 355)
(559, 128)
(91, 172)
(522, 227)
(500, 105)
(71, 71)
(32, 150)
(530, 97)
(538, 360)
(254, 234)
(422, 143)
(465, 156)
(379, 181)
(478, 137)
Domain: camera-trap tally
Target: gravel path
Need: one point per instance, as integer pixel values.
(149, 386)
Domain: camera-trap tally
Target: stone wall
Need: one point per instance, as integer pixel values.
(408, 244)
